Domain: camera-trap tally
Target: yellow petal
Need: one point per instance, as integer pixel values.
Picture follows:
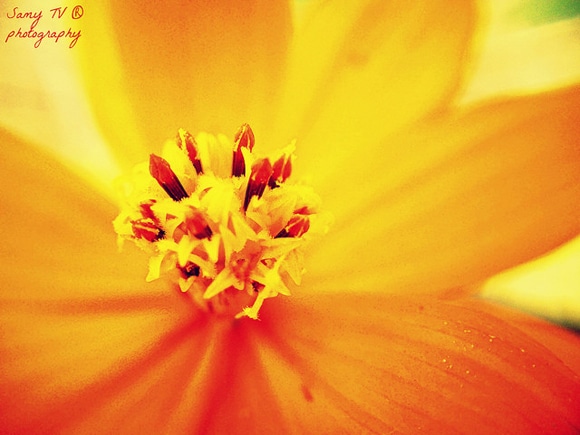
(201, 66)
(463, 197)
(360, 70)
(346, 364)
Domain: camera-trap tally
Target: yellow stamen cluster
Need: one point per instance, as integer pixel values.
(221, 223)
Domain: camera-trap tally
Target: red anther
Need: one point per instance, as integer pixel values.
(190, 269)
(302, 210)
(197, 224)
(257, 286)
(268, 262)
(162, 172)
(296, 226)
(146, 210)
(244, 138)
(281, 170)
(261, 173)
(186, 142)
(147, 229)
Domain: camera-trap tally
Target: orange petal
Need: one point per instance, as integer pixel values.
(360, 70)
(81, 330)
(346, 364)
(87, 347)
(59, 231)
(461, 198)
(65, 363)
(195, 65)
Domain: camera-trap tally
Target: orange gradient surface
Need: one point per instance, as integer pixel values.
(386, 333)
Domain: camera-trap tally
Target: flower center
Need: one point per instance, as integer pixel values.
(225, 226)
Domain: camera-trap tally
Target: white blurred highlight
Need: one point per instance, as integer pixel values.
(43, 102)
(526, 60)
(548, 286)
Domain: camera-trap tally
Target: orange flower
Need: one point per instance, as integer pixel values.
(383, 334)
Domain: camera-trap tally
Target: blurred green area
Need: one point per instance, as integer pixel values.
(538, 12)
